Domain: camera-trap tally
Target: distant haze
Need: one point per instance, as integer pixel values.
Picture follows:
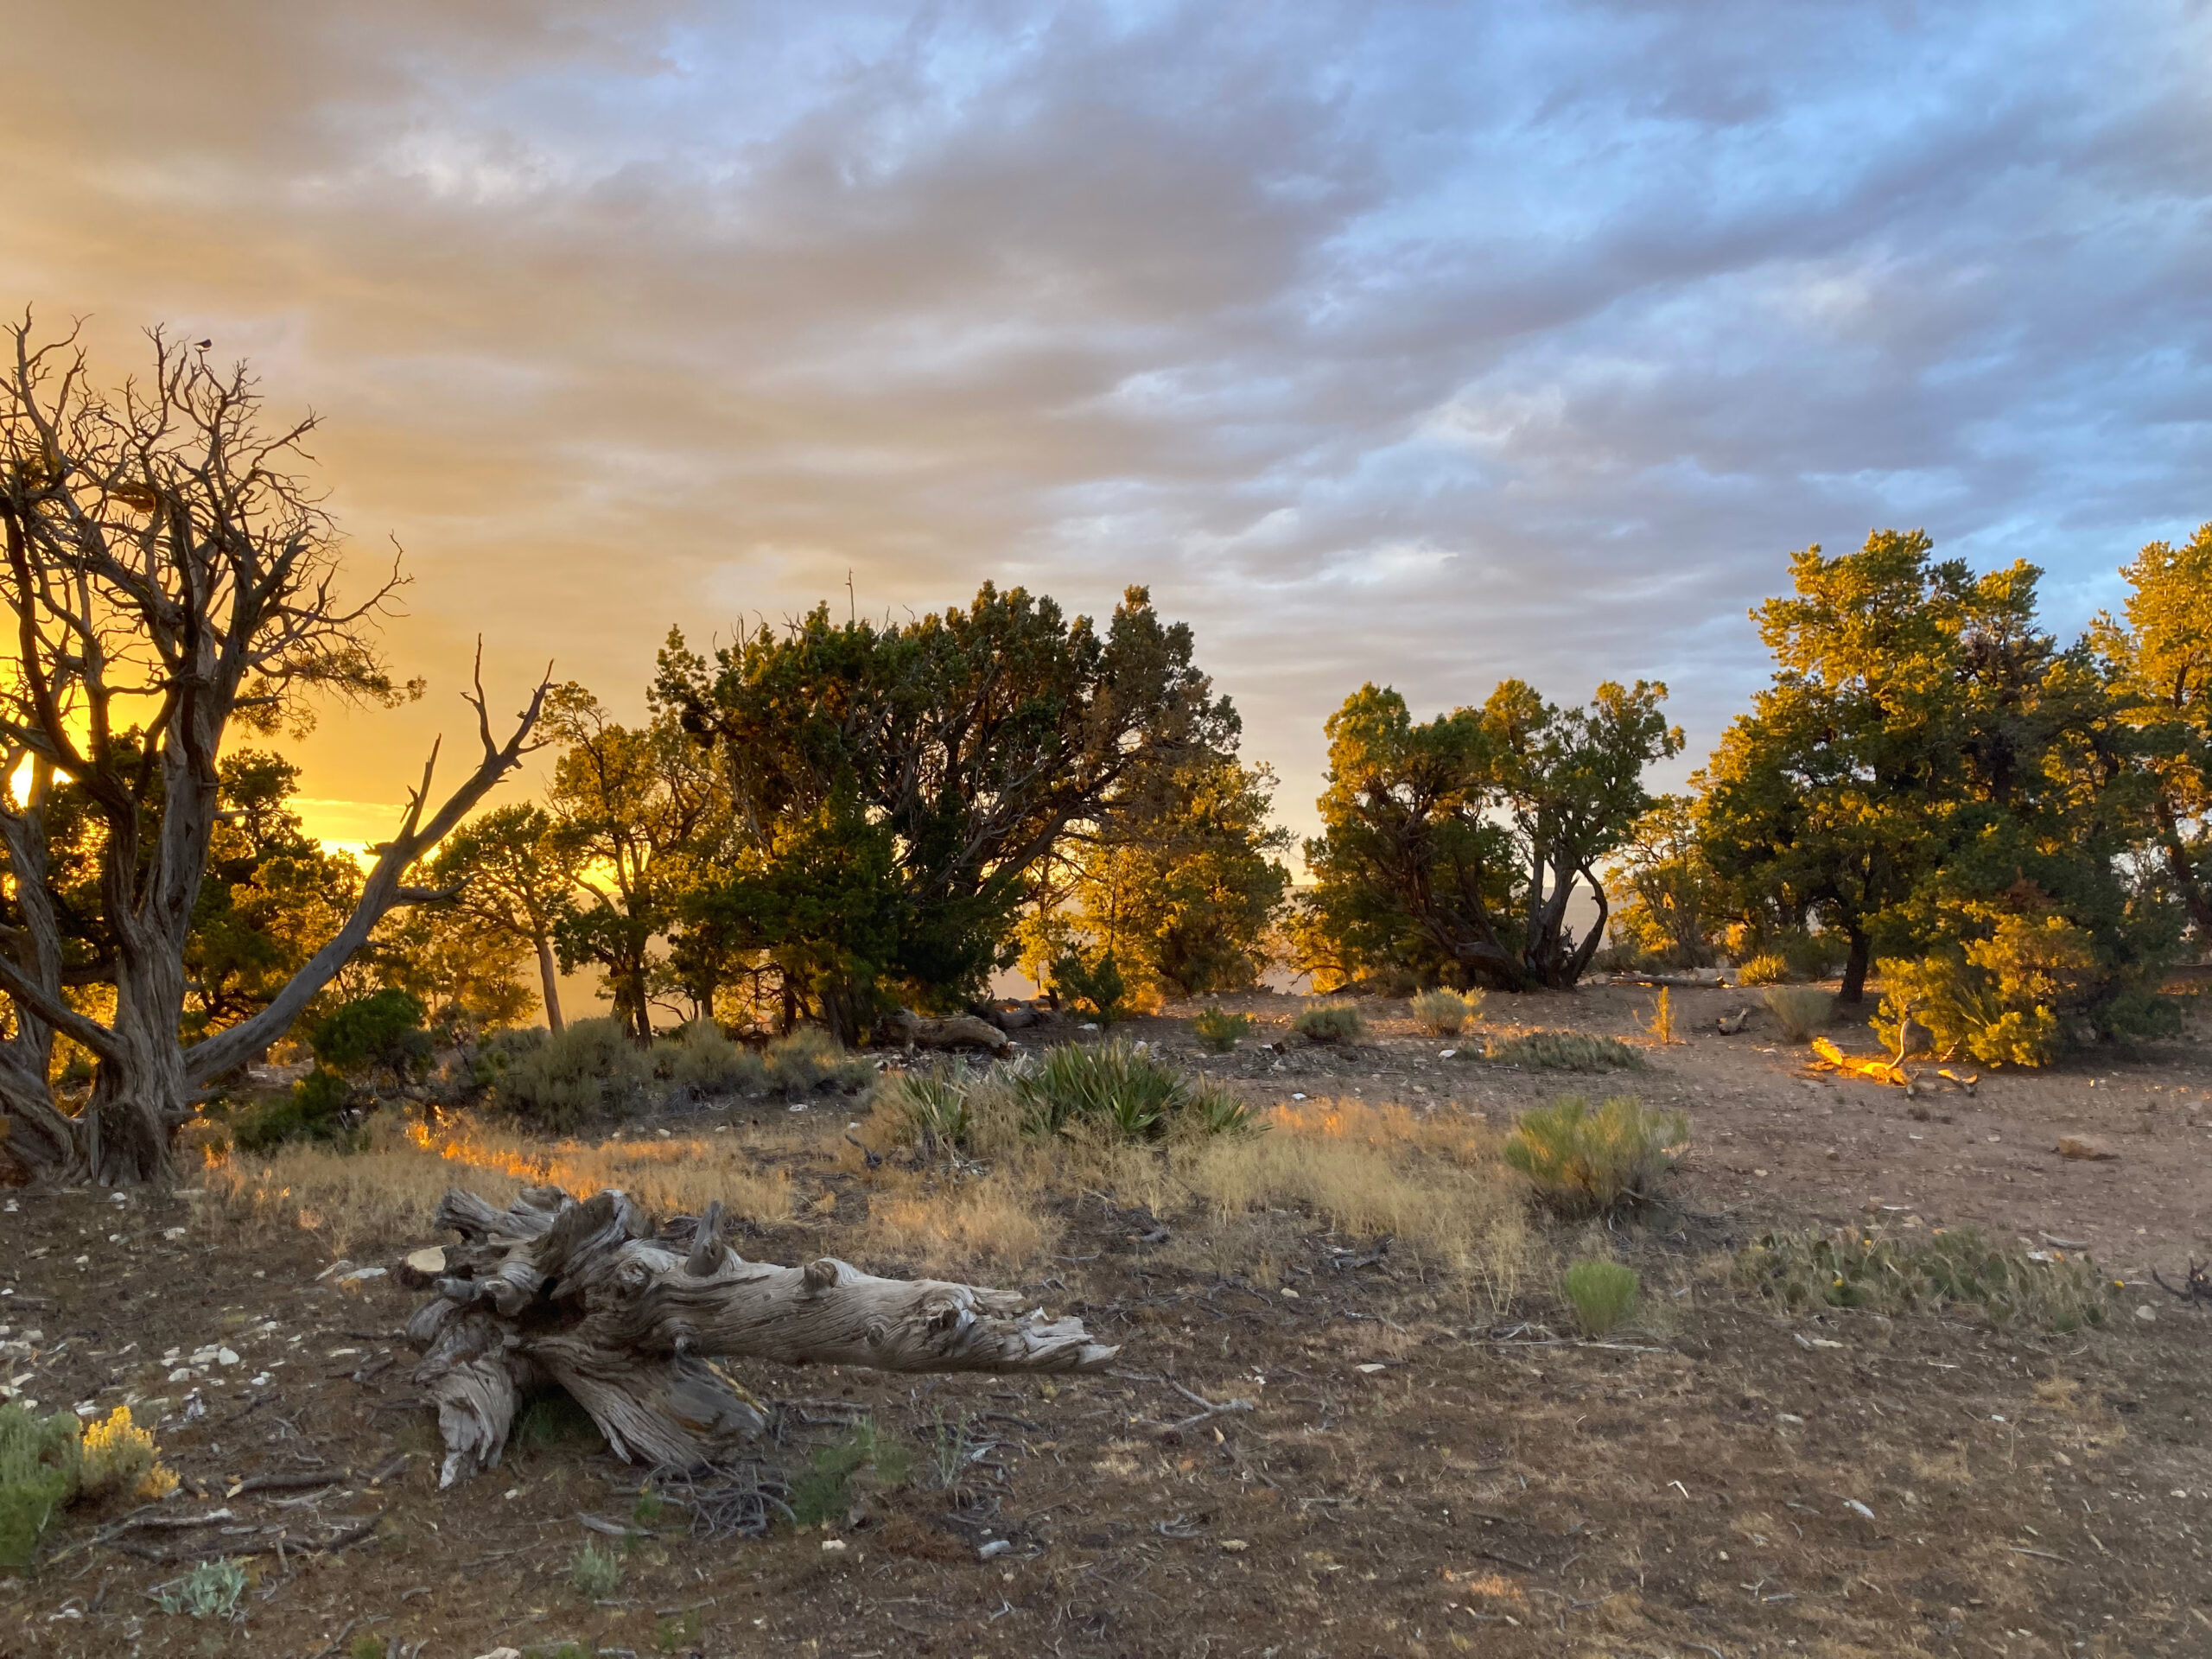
(1416, 343)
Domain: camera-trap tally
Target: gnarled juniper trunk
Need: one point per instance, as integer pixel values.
(629, 1320)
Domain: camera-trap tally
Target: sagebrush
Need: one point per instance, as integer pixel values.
(1584, 1160)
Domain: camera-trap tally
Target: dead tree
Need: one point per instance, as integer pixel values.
(589, 1298)
(168, 573)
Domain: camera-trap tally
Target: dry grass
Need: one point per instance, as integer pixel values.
(957, 1223)
(1433, 1186)
(390, 1191)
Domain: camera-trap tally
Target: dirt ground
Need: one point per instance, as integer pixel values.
(1407, 1473)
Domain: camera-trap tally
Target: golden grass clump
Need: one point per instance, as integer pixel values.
(391, 1189)
(1800, 1010)
(959, 1224)
(1432, 1185)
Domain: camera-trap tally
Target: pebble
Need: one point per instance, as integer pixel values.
(2148, 1315)
(2085, 1146)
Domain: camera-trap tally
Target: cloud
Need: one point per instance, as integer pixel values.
(1408, 342)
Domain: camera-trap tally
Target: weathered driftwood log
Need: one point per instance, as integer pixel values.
(955, 1031)
(587, 1296)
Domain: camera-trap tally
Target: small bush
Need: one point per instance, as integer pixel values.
(1800, 1010)
(1601, 1294)
(1566, 1051)
(1330, 1022)
(1583, 1160)
(809, 1057)
(38, 1476)
(590, 1071)
(825, 1492)
(211, 1590)
(1853, 1269)
(933, 1106)
(1218, 1029)
(314, 1110)
(699, 1061)
(117, 1456)
(1120, 1087)
(1096, 988)
(1768, 968)
(1444, 1013)
(382, 1032)
(597, 1573)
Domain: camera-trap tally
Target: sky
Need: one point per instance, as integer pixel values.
(1419, 344)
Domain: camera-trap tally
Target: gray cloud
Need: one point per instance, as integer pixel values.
(1420, 343)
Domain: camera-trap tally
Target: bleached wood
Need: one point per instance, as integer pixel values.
(588, 1296)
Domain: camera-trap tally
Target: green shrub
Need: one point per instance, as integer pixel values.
(1800, 1010)
(314, 1110)
(1601, 1294)
(1860, 1269)
(596, 1573)
(2004, 997)
(1330, 1022)
(1218, 1029)
(1121, 1087)
(211, 1590)
(1094, 988)
(1583, 1161)
(824, 1492)
(809, 1057)
(1814, 956)
(1566, 1051)
(699, 1061)
(382, 1032)
(1444, 1013)
(38, 1475)
(933, 1105)
(590, 1071)
(1768, 968)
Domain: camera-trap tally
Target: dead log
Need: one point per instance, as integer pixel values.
(955, 1031)
(588, 1297)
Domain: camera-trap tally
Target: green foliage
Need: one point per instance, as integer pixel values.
(552, 1420)
(1926, 760)
(382, 1032)
(2000, 994)
(1218, 1030)
(211, 1590)
(2158, 662)
(1095, 987)
(367, 1646)
(1601, 1294)
(1800, 1010)
(810, 1058)
(2055, 1290)
(1445, 1013)
(947, 756)
(1565, 1050)
(592, 1070)
(38, 1476)
(518, 874)
(1122, 1088)
(699, 1061)
(596, 1573)
(1432, 831)
(1329, 1023)
(314, 1110)
(1673, 902)
(1181, 889)
(933, 1105)
(823, 1492)
(1583, 1161)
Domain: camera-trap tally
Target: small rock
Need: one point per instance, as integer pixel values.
(833, 1545)
(1858, 1509)
(2149, 1315)
(996, 1547)
(2084, 1146)
(226, 1356)
(1234, 1546)
(501, 1653)
(1369, 1370)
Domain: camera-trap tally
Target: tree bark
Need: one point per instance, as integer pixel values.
(589, 1298)
(549, 979)
(1853, 989)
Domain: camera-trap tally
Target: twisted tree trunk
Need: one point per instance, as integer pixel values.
(588, 1296)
